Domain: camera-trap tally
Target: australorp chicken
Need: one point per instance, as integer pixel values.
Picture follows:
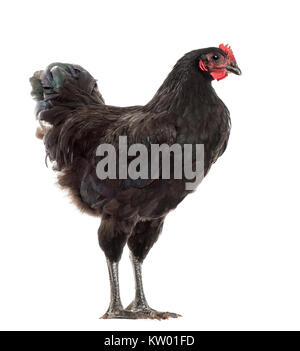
(74, 121)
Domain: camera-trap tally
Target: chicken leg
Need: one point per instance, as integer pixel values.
(139, 306)
(115, 309)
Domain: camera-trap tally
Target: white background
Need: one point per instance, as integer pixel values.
(228, 258)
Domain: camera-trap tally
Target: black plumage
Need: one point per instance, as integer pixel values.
(74, 121)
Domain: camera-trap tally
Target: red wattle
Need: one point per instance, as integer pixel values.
(220, 74)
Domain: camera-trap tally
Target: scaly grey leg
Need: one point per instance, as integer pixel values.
(140, 301)
(115, 309)
(139, 306)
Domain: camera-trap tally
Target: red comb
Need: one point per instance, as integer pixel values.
(227, 49)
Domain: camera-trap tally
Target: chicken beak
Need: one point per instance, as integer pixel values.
(233, 68)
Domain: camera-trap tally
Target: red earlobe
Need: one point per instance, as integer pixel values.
(202, 66)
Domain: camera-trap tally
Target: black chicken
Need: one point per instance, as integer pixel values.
(74, 121)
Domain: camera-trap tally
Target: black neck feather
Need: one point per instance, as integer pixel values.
(184, 86)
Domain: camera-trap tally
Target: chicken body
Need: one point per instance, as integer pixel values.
(75, 121)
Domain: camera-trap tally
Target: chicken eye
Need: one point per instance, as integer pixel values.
(215, 57)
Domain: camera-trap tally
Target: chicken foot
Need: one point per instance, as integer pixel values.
(139, 306)
(115, 309)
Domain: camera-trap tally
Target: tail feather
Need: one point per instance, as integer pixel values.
(59, 90)
(64, 85)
